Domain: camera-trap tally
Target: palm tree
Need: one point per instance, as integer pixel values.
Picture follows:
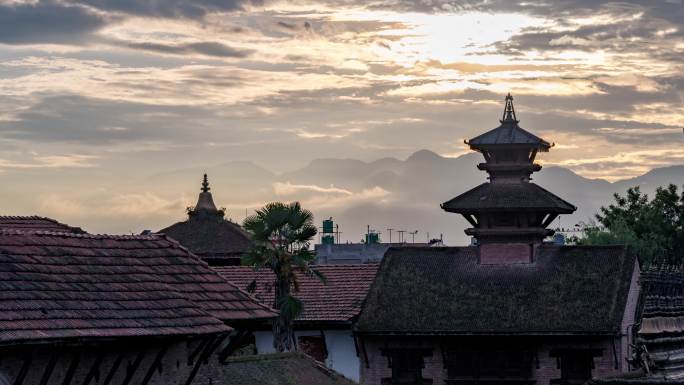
(281, 235)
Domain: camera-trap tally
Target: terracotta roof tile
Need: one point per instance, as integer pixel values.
(36, 223)
(59, 285)
(339, 300)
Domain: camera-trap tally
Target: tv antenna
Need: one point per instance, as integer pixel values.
(413, 236)
(390, 234)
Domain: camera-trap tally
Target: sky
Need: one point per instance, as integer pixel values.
(98, 97)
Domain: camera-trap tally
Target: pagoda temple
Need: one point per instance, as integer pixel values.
(509, 308)
(208, 234)
(509, 214)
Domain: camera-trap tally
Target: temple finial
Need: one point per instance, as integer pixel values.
(509, 111)
(205, 184)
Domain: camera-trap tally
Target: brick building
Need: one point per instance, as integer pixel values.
(512, 309)
(324, 329)
(208, 234)
(97, 309)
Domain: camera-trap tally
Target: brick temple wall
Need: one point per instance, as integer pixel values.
(174, 369)
(547, 369)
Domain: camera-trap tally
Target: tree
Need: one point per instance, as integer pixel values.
(281, 235)
(653, 229)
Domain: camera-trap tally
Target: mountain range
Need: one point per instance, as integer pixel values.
(397, 194)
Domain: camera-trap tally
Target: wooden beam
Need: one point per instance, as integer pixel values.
(75, 360)
(363, 349)
(549, 219)
(208, 350)
(21, 376)
(130, 371)
(198, 349)
(470, 219)
(233, 345)
(48, 369)
(155, 364)
(94, 368)
(114, 368)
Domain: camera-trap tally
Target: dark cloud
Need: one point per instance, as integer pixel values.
(204, 48)
(169, 8)
(73, 118)
(47, 22)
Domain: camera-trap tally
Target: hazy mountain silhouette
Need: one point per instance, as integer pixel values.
(405, 194)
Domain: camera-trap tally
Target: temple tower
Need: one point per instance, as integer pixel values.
(509, 214)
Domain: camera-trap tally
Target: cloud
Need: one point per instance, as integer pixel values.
(214, 49)
(51, 161)
(194, 9)
(289, 189)
(130, 205)
(47, 22)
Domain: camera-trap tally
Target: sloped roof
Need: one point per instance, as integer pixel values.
(211, 237)
(208, 234)
(507, 197)
(568, 289)
(36, 223)
(509, 132)
(60, 285)
(281, 369)
(338, 301)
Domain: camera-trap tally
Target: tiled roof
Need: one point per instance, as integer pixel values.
(211, 237)
(60, 285)
(661, 322)
(36, 223)
(280, 369)
(338, 300)
(568, 289)
(509, 132)
(507, 197)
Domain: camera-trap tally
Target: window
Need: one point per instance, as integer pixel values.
(407, 366)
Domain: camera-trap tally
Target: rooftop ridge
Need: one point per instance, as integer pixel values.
(64, 234)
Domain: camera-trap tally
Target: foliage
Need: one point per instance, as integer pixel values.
(281, 235)
(653, 229)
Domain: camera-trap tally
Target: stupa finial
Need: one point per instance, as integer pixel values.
(205, 184)
(509, 111)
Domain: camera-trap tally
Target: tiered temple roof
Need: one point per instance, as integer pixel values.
(509, 208)
(208, 234)
(659, 330)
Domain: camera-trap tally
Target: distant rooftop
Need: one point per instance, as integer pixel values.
(36, 223)
(337, 301)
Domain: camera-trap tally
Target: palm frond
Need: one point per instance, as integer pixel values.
(291, 307)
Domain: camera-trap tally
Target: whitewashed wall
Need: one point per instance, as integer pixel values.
(341, 351)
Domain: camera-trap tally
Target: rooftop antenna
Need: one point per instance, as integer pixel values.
(401, 235)
(390, 234)
(413, 236)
